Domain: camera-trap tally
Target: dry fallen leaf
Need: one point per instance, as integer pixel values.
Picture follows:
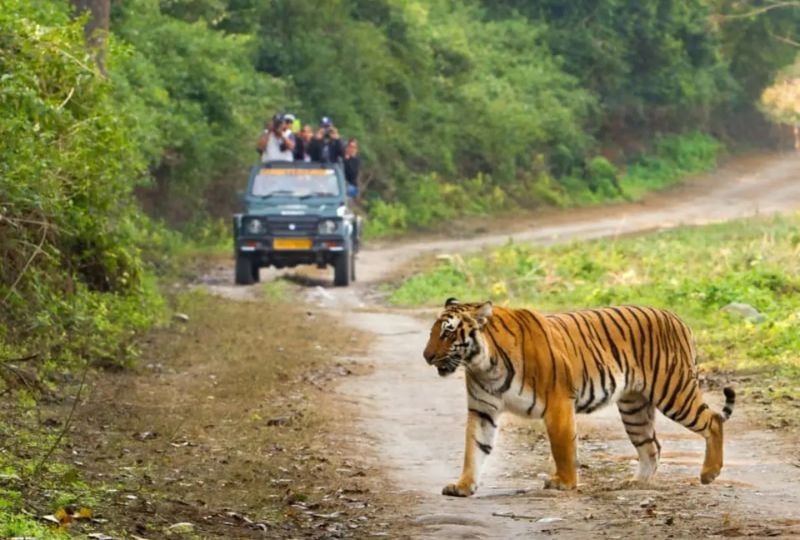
(182, 527)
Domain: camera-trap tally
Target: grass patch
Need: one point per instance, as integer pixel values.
(277, 290)
(692, 271)
(23, 526)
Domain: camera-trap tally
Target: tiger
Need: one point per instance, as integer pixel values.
(552, 366)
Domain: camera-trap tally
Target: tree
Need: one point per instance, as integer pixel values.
(781, 103)
(96, 27)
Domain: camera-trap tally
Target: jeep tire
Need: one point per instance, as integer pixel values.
(245, 271)
(343, 269)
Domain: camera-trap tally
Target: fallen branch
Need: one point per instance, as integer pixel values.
(28, 381)
(26, 358)
(512, 515)
(786, 40)
(762, 9)
(27, 264)
(67, 425)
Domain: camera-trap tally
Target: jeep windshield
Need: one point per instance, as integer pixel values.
(295, 183)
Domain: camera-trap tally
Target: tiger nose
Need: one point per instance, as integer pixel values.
(429, 355)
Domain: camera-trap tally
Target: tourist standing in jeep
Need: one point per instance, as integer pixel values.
(352, 165)
(277, 142)
(302, 147)
(326, 147)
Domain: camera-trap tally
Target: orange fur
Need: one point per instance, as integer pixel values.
(554, 366)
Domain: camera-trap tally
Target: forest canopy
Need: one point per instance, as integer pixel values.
(519, 93)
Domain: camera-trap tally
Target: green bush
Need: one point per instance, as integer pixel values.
(386, 218)
(603, 178)
(194, 103)
(72, 278)
(673, 158)
(427, 201)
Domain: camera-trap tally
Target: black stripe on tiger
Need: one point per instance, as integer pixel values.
(486, 417)
(485, 448)
(472, 395)
(730, 401)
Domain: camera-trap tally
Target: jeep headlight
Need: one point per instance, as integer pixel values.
(255, 226)
(327, 226)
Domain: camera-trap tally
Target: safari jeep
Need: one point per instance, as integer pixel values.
(295, 213)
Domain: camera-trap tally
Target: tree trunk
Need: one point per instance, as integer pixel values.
(97, 26)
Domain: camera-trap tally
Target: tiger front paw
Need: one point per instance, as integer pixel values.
(556, 482)
(459, 489)
(708, 475)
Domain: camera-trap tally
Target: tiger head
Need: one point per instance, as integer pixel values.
(456, 337)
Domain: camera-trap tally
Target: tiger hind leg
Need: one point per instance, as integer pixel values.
(692, 412)
(638, 415)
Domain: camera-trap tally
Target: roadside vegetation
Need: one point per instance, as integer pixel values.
(112, 178)
(695, 272)
(672, 159)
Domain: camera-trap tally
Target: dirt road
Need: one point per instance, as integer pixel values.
(412, 420)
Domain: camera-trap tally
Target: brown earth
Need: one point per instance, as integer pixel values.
(229, 425)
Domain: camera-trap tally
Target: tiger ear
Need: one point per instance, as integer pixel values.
(451, 302)
(484, 313)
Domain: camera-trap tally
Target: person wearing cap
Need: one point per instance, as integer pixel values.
(327, 146)
(288, 122)
(277, 142)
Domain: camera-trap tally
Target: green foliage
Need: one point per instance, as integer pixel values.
(757, 46)
(71, 276)
(386, 218)
(23, 526)
(427, 200)
(753, 262)
(603, 178)
(194, 102)
(673, 158)
(518, 96)
(651, 61)
(426, 86)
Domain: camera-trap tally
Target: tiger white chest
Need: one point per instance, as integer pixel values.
(520, 400)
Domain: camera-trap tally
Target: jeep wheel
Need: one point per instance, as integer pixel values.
(244, 271)
(343, 269)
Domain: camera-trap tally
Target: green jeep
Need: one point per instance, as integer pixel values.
(296, 213)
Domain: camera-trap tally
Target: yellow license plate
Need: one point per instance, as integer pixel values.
(291, 243)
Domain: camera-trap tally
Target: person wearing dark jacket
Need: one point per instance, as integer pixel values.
(302, 147)
(352, 164)
(326, 147)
